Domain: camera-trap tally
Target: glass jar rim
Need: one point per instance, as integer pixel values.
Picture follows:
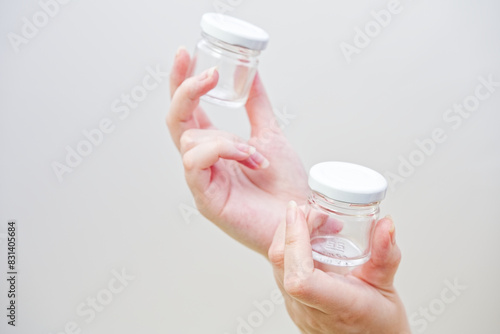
(218, 45)
(342, 208)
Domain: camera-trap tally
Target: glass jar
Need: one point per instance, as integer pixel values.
(233, 46)
(342, 211)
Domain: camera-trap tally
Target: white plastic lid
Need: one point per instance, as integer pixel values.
(347, 182)
(234, 31)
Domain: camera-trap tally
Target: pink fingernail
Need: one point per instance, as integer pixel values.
(260, 160)
(207, 74)
(245, 148)
(211, 72)
(179, 50)
(392, 230)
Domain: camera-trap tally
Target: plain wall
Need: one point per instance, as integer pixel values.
(126, 207)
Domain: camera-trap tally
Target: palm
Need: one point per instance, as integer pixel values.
(248, 204)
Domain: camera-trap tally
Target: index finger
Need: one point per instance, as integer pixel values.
(184, 113)
(180, 69)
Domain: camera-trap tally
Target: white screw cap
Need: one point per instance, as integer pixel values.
(347, 182)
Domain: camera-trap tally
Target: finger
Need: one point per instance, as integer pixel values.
(299, 279)
(205, 155)
(195, 137)
(259, 108)
(202, 119)
(302, 280)
(185, 101)
(299, 263)
(179, 69)
(276, 253)
(298, 251)
(207, 183)
(321, 223)
(379, 271)
(198, 163)
(240, 77)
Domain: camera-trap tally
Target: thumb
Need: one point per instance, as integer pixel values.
(379, 271)
(259, 109)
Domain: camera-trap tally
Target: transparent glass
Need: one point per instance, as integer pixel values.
(341, 232)
(236, 65)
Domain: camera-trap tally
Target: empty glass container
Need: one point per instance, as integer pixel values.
(342, 211)
(233, 46)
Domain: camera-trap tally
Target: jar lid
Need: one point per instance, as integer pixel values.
(347, 182)
(234, 31)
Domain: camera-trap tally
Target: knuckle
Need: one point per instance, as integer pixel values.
(187, 161)
(276, 256)
(219, 143)
(348, 318)
(290, 242)
(311, 321)
(187, 140)
(397, 257)
(296, 285)
(352, 313)
(236, 138)
(191, 88)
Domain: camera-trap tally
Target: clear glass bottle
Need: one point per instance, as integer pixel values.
(233, 46)
(342, 211)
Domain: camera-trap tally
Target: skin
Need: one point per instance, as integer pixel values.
(243, 186)
(363, 301)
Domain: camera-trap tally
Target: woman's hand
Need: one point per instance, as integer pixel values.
(242, 186)
(364, 301)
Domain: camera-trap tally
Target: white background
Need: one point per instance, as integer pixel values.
(126, 205)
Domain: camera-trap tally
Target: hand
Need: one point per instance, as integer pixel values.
(241, 186)
(363, 301)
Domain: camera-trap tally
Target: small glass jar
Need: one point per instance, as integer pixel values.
(233, 46)
(342, 212)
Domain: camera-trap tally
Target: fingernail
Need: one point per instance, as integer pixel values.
(264, 164)
(259, 160)
(211, 72)
(207, 74)
(392, 230)
(179, 50)
(245, 148)
(292, 215)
